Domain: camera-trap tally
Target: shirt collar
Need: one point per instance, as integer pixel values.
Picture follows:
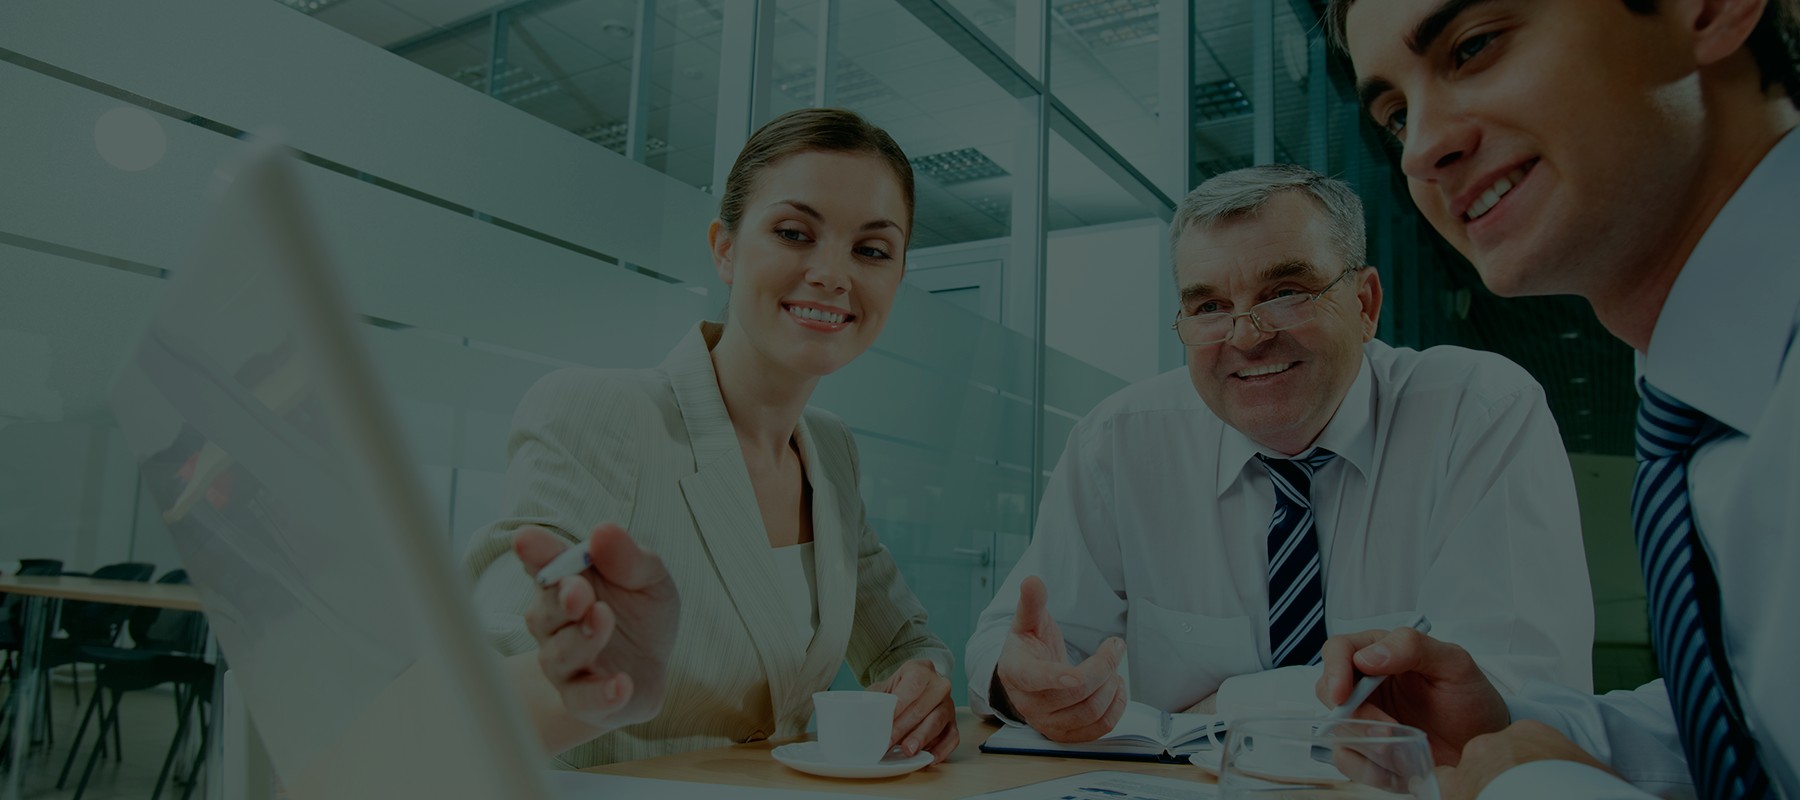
(1350, 433)
(1729, 321)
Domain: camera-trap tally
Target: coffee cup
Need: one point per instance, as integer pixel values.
(854, 727)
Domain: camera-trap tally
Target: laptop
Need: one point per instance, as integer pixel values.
(262, 431)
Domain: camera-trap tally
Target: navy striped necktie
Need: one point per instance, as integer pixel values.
(1296, 582)
(1685, 626)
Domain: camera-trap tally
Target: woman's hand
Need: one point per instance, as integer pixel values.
(924, 717)
(604, 636)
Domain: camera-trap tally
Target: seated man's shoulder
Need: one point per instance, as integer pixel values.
(1170, 391)
(1477, 374)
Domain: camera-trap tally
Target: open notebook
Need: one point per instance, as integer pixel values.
(1143, 734)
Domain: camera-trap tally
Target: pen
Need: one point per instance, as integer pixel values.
(570, 562)
(1369, 683)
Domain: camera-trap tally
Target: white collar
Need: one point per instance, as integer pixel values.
(1728, 322)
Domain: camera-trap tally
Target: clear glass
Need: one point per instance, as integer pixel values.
(1315, 759)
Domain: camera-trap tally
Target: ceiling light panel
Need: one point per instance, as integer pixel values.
(957, 166)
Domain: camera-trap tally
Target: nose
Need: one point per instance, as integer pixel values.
(1245, 334)
(829, 275)
(1437, 138)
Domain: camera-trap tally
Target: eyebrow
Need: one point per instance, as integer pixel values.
(817, 217)
(1275, 273)
(1422, 37)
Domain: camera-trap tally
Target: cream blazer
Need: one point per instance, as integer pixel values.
(654, 451)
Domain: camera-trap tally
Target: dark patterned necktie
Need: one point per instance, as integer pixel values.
(1296, 585)
(1683, 591)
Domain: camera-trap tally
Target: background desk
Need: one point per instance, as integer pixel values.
(39, 588)
(968, 772)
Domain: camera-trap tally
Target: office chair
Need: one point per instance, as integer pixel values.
(169, 647)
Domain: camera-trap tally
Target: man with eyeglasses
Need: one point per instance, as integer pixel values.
(1299, 479)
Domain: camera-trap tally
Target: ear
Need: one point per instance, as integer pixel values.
(1721, 27)
(719, 241)
(1368, 297)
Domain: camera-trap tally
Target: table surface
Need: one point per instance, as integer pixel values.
(178, 596)
(968, 771)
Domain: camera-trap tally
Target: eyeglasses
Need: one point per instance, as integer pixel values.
(1269, 316)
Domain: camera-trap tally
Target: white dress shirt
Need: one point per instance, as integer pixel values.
(1451, 495)
(1724, 344)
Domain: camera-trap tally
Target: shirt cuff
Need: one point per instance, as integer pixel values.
(1568, 779)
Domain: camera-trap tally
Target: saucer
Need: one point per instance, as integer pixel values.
(806, 757)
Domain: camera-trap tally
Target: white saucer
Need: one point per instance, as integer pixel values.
(806, 757)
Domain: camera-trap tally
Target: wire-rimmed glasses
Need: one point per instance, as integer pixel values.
(1269, 316)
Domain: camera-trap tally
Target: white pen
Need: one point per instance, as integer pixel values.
(1369, 683)
(569, 562)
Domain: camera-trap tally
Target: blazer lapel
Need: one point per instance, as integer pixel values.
(834, 554)
(723, 503)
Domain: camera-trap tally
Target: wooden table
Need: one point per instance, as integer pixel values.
(178, 596)
(967, 772)
(37, 589)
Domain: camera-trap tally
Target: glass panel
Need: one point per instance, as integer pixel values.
(1104, 63)
(1103, 323)
(994, 18)
(1222, 87)
(684, 91)
(941, 406)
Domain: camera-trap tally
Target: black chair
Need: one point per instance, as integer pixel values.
(87, 623)
(168, 648)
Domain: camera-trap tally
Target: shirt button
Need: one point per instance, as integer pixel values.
(1186, 628)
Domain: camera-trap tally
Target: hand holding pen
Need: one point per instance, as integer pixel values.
(1428, 684)
(605, 620)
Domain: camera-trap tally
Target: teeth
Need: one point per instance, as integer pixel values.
(816, 315)
(1268, 370)
(1492, 196)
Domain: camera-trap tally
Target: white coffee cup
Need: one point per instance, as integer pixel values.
(854, 727)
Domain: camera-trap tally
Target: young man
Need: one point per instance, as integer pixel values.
(1297, 478)
(1637, 153)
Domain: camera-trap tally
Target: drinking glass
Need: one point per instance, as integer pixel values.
(1316, 759)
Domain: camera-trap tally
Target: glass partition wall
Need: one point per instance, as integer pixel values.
(515, 187)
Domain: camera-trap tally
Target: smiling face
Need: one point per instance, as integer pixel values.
(815, 261)
(1556, 143)
(1279, 389)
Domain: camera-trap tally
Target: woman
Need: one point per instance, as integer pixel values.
(713, 462)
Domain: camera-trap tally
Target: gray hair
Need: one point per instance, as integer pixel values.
(1243, 192)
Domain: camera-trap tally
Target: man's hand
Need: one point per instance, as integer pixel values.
(604, 636)
(924, 715)
(1432, 685)
(1065, 703)
(1485, 757)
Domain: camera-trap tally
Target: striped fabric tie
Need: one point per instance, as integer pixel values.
(1684, 603)
(1296, 586)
